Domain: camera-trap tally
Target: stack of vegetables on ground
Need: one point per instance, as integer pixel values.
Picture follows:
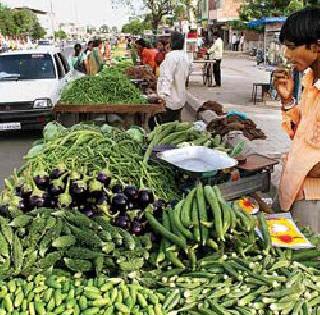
(111, 87)
(45, 240)
(61, 295)
(81, 234)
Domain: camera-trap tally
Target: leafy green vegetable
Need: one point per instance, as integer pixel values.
(111, 87)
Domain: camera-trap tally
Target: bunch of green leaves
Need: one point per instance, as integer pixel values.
(112, 87)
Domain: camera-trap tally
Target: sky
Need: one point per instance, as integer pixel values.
(88, 12)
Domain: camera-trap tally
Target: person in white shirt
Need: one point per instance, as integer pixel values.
(234, 41)
(217, 51)
(174, 72)
(241, 41)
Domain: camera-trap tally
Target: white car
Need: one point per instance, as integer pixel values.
(31, 83)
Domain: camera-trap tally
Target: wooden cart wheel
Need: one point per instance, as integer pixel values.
(209, 75)
(204, 74)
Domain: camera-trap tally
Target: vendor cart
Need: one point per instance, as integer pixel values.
(133, 114)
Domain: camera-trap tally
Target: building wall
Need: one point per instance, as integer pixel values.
(224, 10)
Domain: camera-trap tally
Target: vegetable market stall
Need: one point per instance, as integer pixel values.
(139, 113)
(81, 234)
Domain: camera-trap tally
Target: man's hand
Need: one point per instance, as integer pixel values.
(284, 85)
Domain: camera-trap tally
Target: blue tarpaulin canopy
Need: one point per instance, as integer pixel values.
(266, 20)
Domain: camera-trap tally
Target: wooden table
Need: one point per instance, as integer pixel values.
(84, 112)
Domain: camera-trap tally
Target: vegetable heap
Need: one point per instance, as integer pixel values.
(45, 239)
(110, 88)
(83, 150)
(81, 234)
(61, 295)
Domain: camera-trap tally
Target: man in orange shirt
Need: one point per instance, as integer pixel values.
(300, 181)
(149, 56)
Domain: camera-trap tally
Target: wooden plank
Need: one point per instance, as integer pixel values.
(151, 109)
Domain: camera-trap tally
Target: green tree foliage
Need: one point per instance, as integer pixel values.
(60, 34)
(38, 31)
(255, 9)
(136, 27)
(7, 23)
(20, 22)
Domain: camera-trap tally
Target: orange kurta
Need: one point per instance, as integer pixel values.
(304, 153)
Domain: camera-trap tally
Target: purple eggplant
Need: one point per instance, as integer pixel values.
(26, 191)
(119, 203)
(42, 181)
(132, 193)
(37, 198)
(57, 187)
(4, 211)
(137, 228)
(116, 189)
(104, 177)
(103, 199)
(88, 211)
(58, 171)
(145, 198)
(158, 207)
(78, 187)
(123, 222)
(95, 188)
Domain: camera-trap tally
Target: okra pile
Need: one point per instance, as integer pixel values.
(61, 295)
(258, 284)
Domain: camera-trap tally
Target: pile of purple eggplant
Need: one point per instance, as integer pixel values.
(92, 194)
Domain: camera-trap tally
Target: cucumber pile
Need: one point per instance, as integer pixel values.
(201, 223)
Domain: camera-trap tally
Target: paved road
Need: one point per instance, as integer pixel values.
(13, 146)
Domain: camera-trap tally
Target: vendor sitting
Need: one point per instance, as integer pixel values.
(300, 181)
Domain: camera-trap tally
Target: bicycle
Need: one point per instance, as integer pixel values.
(207, 72)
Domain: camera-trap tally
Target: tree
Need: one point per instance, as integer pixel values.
(7, 23)
(256, 9)
(24, 20)
(136, 27)
(157, 9)
(38, 31)
(60, 34)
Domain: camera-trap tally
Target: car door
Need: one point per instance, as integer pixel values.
(62, 80)
(66, 67)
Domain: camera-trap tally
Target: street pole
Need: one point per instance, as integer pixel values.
(52, 20)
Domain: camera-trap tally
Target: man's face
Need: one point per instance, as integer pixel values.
(302, 57)
(90, 47)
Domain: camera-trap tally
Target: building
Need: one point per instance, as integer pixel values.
(73, 31)
(216, 15)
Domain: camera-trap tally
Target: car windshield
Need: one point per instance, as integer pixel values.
(27, 66)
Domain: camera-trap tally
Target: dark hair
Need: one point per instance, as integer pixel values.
(90, 42)
(216, 34)
(140, 42)
(302, 27)
(97, 42)
(177, 41)
(77, 49)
